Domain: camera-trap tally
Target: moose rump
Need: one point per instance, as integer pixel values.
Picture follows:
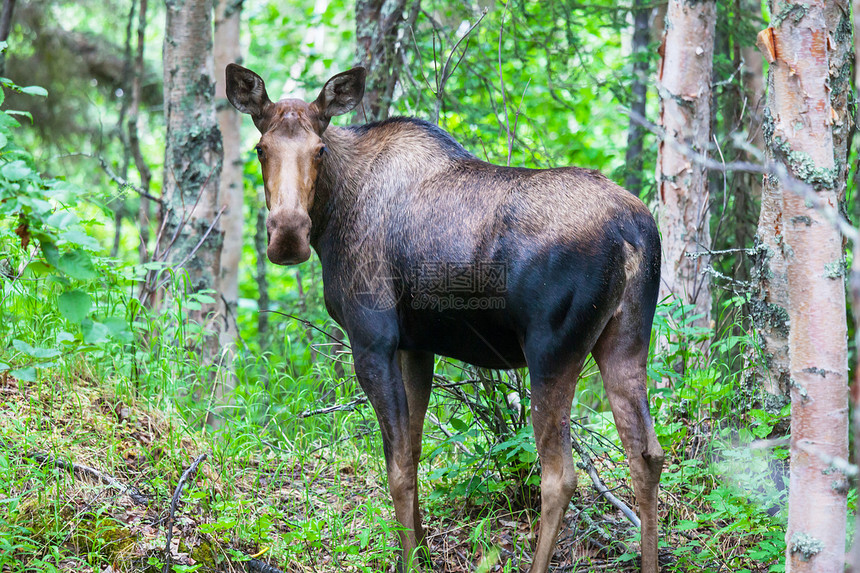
(427, 250)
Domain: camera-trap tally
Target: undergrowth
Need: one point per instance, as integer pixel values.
(92, 376)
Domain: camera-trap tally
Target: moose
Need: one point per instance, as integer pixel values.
(427, 250)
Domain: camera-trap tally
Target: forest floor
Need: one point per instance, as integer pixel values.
(89, 480)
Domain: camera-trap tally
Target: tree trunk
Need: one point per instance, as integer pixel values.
(134, 137)
(227, 23)
(5, 29)
(801, 131)
(381, 29)
(192, 163)
(853, 565)
(769, 303)
(260, 245)
(638, 99)
(684, 84)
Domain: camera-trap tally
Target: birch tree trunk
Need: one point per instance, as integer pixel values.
(684, 84)
(192, 164)
(802, 131)
(853, 565)
(231, 192)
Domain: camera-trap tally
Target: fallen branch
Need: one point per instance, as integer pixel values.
(256, 566)
(192, 469)
(349, 406)
(607, 540)
(131, 491)
(600, 486)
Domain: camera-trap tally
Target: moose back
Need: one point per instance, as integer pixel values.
(427, 250)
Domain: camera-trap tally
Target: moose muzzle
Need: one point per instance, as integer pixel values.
(289, 236)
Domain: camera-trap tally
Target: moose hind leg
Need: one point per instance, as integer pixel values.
(621, 354)
(551, 401)
(417, 370)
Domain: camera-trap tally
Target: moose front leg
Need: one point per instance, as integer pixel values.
(380, 377)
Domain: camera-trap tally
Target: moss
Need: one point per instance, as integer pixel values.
(803, 166)
(773, 315)
(204, 554)
(768, 126)
(805, 219)
(835, 270)
(840, 486)
(108, 539)
(800, 389)
(806, 545)
(794, 11)
(843, 30)
(773, 403)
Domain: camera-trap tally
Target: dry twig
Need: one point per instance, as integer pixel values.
(87, 471)
(600, 486)
(192, 469)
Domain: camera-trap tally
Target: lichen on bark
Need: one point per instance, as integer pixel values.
(806, 545)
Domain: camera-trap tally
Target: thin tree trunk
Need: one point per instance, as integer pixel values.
(799, 131)
(684, 84)
(134, 137)
(118, 204)
(854, 553)
(769, 304)
(5, 29)
(227, 50)
(381, 30)
(638, 98)
(260, 245)
(853, 565)
(192, 164)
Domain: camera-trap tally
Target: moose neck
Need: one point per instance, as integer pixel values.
(370, 166)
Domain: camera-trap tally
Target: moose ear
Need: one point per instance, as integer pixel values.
(246, 91)
(341, 93)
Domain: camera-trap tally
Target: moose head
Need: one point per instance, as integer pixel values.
(291, 150)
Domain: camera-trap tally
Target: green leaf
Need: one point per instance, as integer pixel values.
(459, 425)
(35, 91)
(34, 351)
(15, 170)
(26, 114)
(78, 237)
(65, 337)
(94, 332)
(78, 265)
(62, 219)
(118, 328)
(74, 305)
(24, 374)
(7, 121)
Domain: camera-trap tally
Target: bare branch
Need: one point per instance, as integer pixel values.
(600, 486)
(192, 469)
(348, 407)
(131, 491)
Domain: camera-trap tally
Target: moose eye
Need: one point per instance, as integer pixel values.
(321, 152)
(260, 153)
